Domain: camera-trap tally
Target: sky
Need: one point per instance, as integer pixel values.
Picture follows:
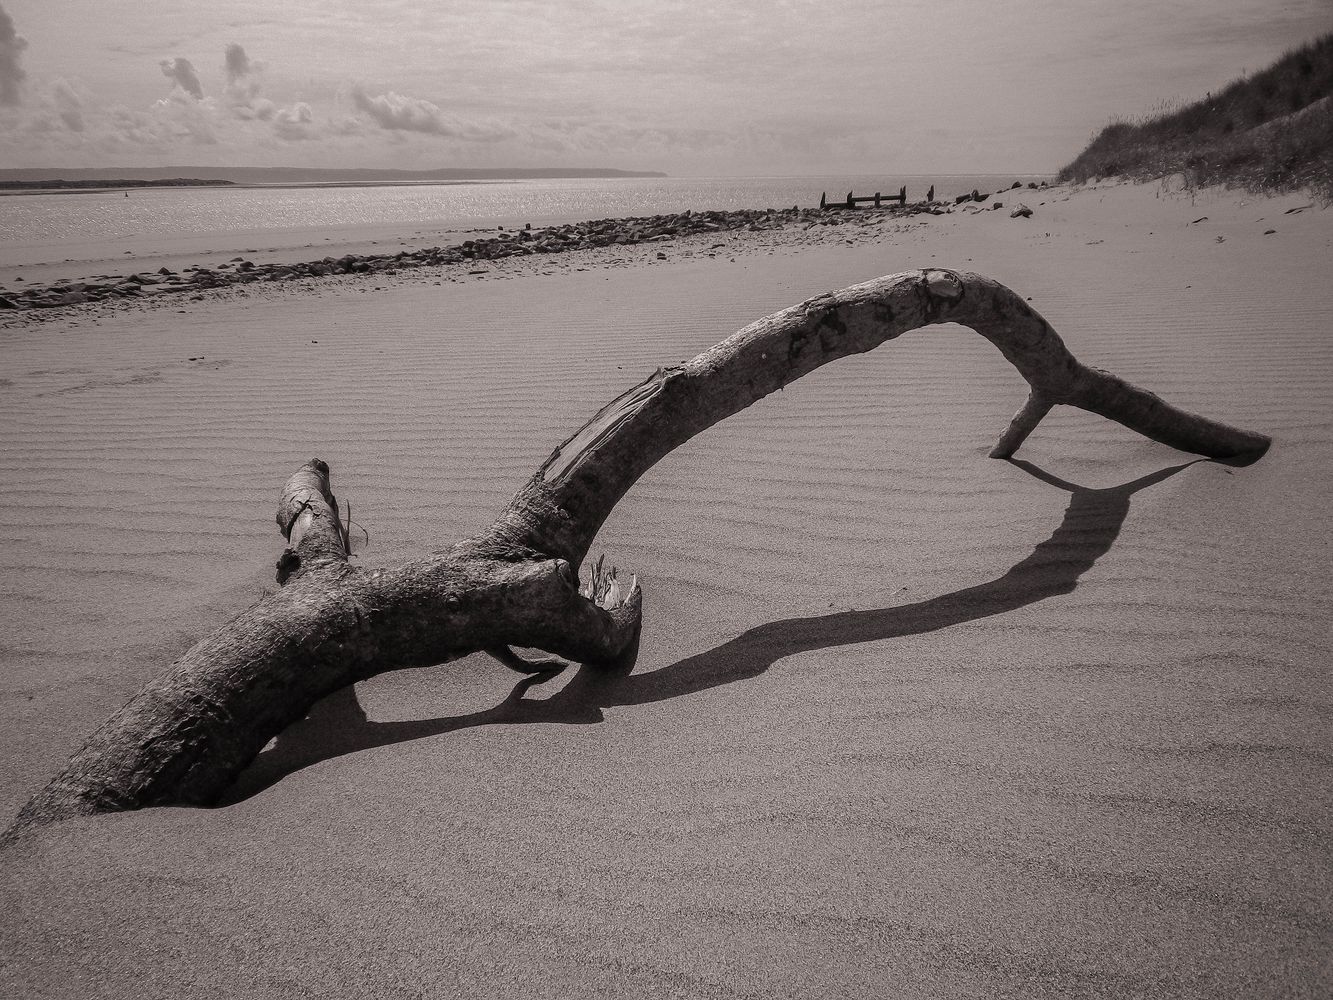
(711, 88)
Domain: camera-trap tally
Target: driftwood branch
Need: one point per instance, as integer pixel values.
(188, 734)
(564, 505)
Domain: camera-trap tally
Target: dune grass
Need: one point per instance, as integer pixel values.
(1272, 131)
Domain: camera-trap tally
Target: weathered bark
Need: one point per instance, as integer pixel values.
(186, 736)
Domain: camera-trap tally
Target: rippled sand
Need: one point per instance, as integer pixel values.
(906, 721)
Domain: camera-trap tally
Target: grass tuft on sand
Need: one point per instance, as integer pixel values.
(1269, 132)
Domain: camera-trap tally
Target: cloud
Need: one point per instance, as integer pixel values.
(261, 108)
(181, 72)
(237, 62)
(243, 85)
(294, 123)
(397, 113)
(11, 73)
(125, 128)
(69, 105)
(346, 125)
(180, 118)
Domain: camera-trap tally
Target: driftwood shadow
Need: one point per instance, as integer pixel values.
(338, 725)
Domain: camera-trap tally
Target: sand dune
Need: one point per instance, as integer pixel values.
(906, 721)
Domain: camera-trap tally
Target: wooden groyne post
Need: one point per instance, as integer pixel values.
(853, 200)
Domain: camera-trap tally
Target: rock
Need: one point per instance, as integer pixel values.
(1021, 212)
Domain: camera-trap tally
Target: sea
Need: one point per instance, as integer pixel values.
(60, 222)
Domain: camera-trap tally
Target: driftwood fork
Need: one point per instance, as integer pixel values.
(187, 735)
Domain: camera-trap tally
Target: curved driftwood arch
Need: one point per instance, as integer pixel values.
(187, 735)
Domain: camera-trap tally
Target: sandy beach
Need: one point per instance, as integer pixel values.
(906, 721)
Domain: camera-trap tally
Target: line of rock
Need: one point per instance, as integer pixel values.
(507, 243)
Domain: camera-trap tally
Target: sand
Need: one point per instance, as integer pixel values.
(906, 721)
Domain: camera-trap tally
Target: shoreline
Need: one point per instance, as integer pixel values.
(112, 233)
(553, 239)
(548, 240)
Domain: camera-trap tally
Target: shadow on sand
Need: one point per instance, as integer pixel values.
(338, 724)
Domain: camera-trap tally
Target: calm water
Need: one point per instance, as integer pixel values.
(56, 220)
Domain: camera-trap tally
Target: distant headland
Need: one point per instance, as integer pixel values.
(102, 177)
(87, 184)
